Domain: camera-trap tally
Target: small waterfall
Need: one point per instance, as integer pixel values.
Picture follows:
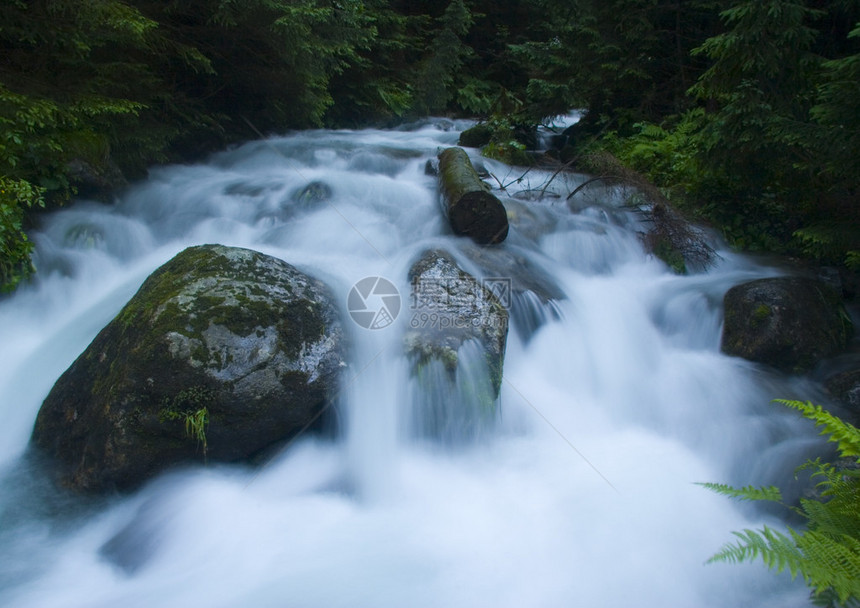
(453, 401)
(530, 312)
(575, 485)
(374, 415)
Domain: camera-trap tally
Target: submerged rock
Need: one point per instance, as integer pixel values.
(530, 220)
(221, 354)
(311, 194)
(529, 293)
(790, 323)
(455, 345)
(520, 273)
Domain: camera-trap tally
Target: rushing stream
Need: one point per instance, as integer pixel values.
(615, 402)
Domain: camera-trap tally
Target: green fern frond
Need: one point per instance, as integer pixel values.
(827, 552)
(844, 434)
(770, 493)
(830, 563)
(835, 517)
(777, 550)
(842, 489)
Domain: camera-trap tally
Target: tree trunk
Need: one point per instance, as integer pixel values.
(472, 211)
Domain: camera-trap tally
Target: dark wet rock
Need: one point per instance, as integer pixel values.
(241, 344)
(475, 137)
(527, 136)
(682, 246)
(558, 141)
(790, 323)
(98, 180)
(845, 386)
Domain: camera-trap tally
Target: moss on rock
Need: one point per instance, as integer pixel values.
(790, 323)
(246, 336)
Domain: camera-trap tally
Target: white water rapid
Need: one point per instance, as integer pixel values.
(582, 494)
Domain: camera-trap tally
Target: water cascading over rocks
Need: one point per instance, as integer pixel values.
(533, 293)
(221, 354)
(456, 347)
(375, 517)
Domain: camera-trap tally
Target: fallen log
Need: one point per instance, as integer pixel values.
(472, 210)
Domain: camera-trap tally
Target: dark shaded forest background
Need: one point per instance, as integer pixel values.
(745, 114)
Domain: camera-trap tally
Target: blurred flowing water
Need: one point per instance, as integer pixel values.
(615, 402)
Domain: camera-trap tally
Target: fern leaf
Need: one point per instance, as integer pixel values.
(770, 493)
(843, 491)
(778, 551)
(828, 564)
(836, 518)
(827, 553)
(844, 434)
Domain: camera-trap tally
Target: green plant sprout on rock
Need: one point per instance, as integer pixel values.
(827, 552)
(188, 406)
(195, 426)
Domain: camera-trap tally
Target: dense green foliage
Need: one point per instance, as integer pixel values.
(94, 87)
(746, 112)
(16, 196)
(767, 149)
(826, 552)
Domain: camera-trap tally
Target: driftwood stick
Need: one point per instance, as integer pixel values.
(589, 181)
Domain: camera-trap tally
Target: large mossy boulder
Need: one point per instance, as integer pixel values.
(790, 323)
(456, 347)
(222, 354)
